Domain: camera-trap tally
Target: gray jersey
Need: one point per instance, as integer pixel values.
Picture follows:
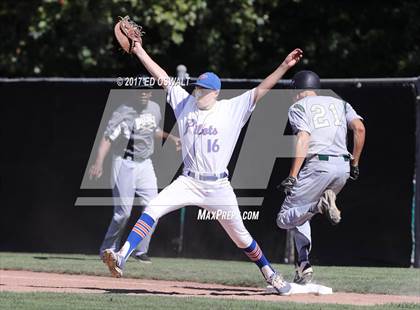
(326, 119)
(137, 127)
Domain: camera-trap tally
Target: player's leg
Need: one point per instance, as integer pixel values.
(123, 196)
(302, 204)
(302, 240)
(340, 172)
(146, 188)
(177, 195)
(298, 209)
(235, 228)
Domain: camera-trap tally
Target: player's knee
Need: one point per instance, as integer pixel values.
(152, 212)
(243, 241)
(149, 196)
(282, 221)
(121, 218)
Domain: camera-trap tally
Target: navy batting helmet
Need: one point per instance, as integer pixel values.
(306, 80)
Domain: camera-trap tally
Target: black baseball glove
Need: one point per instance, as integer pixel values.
(354, 172)
(287, 185)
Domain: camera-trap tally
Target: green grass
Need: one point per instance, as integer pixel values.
(45, 301)
(398, 281)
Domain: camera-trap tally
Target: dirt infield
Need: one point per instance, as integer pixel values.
(27, 281)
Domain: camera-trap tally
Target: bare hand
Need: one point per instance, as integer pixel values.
(178, 143)
(137, 48)
(95, 171)
(293, 58)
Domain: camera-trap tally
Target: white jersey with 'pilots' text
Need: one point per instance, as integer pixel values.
(209, 136)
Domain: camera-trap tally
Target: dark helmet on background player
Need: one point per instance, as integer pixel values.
(306, 80)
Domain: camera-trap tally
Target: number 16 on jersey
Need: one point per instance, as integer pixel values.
(212, 146)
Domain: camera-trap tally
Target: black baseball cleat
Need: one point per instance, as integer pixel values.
(143, 258)
(304, 273)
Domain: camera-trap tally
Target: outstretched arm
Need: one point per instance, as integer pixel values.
(154, 69)
(271, 80)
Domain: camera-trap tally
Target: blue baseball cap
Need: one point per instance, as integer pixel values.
(208, 80)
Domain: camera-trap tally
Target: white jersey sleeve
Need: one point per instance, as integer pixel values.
(176, 96)
(299, 119)
(350, 113)
(242, 106)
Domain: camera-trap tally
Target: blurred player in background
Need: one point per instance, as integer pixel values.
(132, 172)
(320, 123)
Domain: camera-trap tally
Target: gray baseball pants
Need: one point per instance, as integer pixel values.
(300, 206)
(128, 179)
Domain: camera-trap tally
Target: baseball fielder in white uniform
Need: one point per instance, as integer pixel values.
(320, 123)
(209, 130)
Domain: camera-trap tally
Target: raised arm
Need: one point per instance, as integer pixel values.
(271, 80)
(154, 69)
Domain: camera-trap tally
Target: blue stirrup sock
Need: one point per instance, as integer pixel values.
(255, 254)
(140, 230)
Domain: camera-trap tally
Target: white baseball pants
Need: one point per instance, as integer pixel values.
(210, 195)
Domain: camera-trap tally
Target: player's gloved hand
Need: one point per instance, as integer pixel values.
(288, 184)
(354, 172)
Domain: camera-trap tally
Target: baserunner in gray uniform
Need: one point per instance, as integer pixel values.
(132, 172)
(320, 123)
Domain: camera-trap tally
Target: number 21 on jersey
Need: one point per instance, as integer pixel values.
(320, 117)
